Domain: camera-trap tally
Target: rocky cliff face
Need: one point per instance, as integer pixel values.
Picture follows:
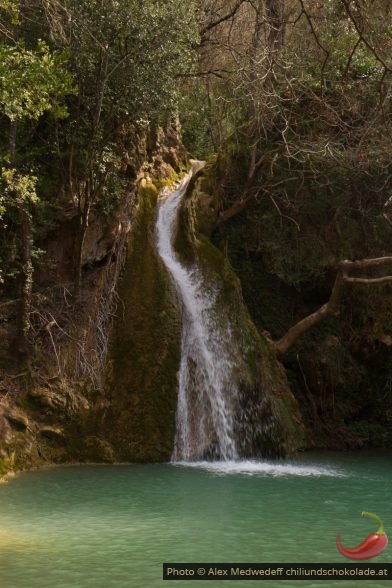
(64, 405)
(101, 384)
(141, 387)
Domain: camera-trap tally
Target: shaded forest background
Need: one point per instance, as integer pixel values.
(293, 102)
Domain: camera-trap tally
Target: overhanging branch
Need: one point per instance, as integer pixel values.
(331, 307)
(369, 280)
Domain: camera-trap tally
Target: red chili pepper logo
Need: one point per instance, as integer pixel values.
(370, 547)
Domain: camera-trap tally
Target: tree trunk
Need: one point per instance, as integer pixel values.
(275, 16)
(25, 280)
(25, 273)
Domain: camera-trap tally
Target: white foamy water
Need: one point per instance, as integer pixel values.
(253, 467)
(206, 396)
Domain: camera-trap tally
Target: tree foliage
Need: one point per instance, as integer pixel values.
(297, 100)
(73, 76)
(33, 81)
(260, 60)
(125, 63)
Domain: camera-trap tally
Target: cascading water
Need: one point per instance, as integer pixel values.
(207, 397)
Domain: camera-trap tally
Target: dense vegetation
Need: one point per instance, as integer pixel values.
(73, 76)
(294, 97)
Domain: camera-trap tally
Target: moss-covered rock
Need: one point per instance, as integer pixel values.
(61, 391)
(141, 389)
(268, 421)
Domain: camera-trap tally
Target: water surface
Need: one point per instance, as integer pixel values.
(113, 527)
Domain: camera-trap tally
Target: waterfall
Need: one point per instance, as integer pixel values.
(207, 396)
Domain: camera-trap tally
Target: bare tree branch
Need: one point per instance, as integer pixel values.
(236, 208)
(369, 280)
(316, 38)
(362, 37)
(350, 57)
(223, 18)
(331, 307)
(365, 263)
(328, 309)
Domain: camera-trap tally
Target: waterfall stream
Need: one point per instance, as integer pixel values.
(207, 398)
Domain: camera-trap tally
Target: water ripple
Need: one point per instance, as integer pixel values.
(253, 467)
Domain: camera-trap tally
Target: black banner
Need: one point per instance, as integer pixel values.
(277, 571)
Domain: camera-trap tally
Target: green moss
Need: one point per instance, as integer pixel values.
(145, 349)
(169, 179)
(273, 424)
(141, 396)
